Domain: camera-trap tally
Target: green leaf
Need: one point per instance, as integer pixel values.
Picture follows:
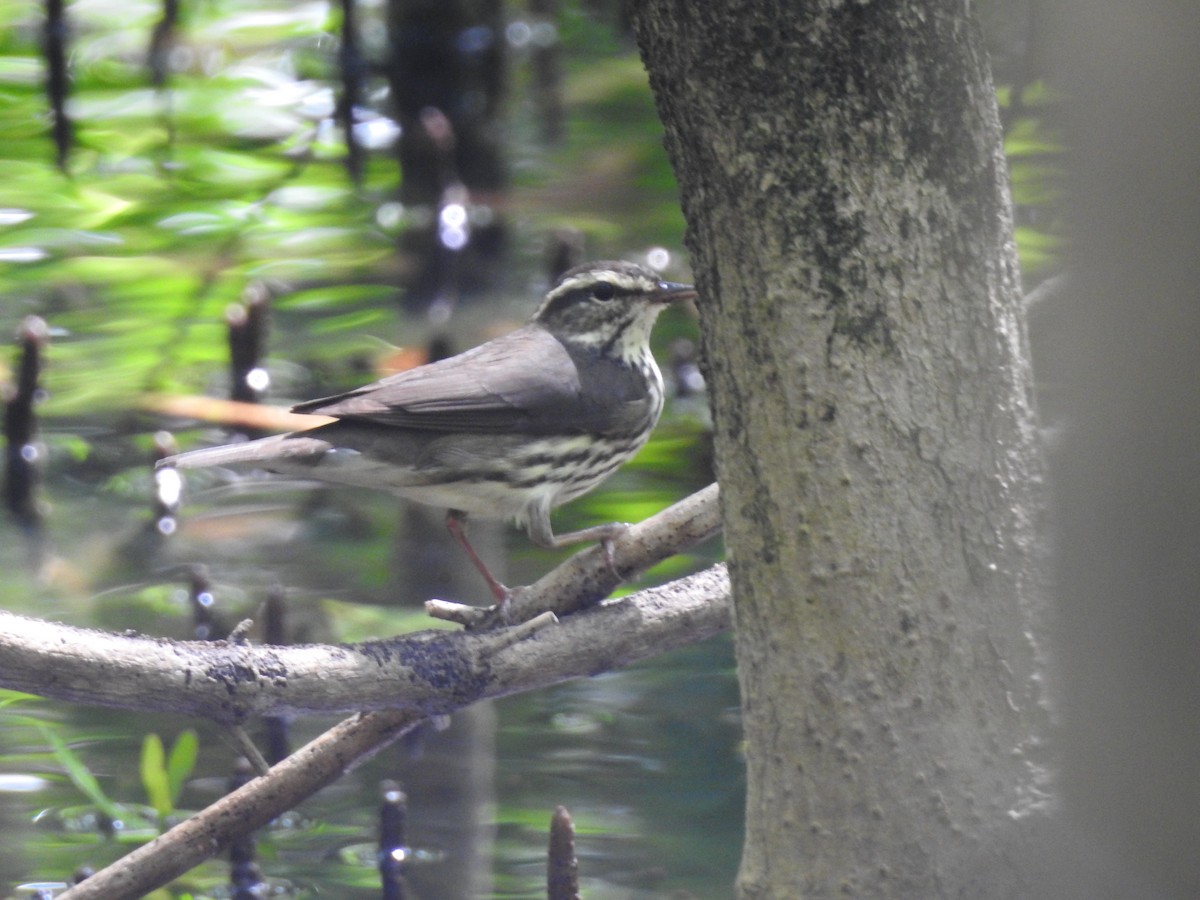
(154, 775)
(181, 762)
(1038, 250)
(8, 698)
(1029, 137)
(79, 774)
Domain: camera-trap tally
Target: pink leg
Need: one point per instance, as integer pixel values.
(456, 525)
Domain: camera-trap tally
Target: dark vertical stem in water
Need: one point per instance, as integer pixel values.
(201, 600)
(562, 868)
(162, 39)
(57, 79)
(245, 876)
(352, 70)
(393, 841)
(22, 453)
(247, 324)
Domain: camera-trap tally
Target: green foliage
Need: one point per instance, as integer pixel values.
(176, 201)
(1035, 155)
(11, 698)
(153, 769)
(81, 776)
(163, 776)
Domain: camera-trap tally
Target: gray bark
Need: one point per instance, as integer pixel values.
(436, 672)
(841, 173)
(432, 671)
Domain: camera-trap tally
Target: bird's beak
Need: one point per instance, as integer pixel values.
(672, 291)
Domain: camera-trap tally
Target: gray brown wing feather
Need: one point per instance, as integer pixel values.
(524, 382)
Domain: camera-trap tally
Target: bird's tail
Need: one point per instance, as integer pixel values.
(265, 452)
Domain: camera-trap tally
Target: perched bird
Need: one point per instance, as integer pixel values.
(508, 430)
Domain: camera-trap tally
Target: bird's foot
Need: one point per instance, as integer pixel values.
(503, 612)
(540, 533)
(606, 546)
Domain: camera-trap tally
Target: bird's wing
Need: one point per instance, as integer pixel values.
(524, 381)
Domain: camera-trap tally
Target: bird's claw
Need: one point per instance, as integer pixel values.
(607, 548)
(499, 614)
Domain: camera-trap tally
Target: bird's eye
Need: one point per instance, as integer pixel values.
(604, 291)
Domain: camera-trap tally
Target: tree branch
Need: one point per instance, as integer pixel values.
(431, 671)
(191, 842)
(392, 684)
(605, 637)
(588, 576)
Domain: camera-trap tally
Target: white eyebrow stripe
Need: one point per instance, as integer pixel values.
(619, 280)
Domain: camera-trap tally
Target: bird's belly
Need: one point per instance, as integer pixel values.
(486, 476)
(558, 470)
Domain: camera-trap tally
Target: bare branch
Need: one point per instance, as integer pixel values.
(251, 806)
(433, 671)
(607, 636)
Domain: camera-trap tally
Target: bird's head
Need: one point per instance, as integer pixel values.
(609, 306)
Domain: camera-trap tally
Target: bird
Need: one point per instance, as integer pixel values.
(510, 429)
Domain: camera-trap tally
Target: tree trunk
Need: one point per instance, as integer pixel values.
(849, 220)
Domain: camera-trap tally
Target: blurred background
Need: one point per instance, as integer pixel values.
(266, 201)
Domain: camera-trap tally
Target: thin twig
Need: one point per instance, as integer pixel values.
(248, 749)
